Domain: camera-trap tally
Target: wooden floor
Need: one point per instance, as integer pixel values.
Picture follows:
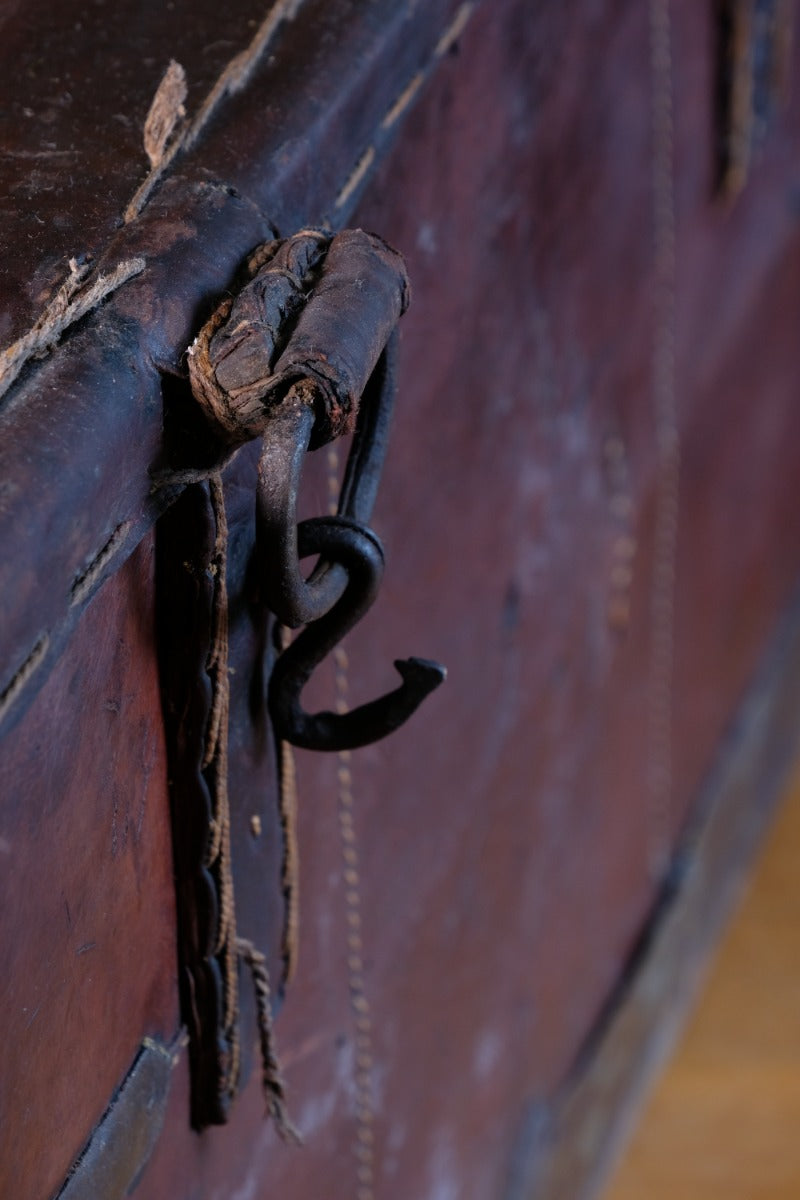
(724, 1120)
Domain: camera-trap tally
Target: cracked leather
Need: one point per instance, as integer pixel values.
(320, 308)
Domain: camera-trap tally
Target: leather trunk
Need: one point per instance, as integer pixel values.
(589, 510)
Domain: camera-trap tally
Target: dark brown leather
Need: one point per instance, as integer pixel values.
(319, 309)
(186, 582)
(87, 896)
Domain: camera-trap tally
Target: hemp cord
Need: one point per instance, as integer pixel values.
(216, 759)
(228, 943)
(273, 1084)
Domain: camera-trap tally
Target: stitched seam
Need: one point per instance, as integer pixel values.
(232, 79)
(85, 582)
(402, 102)
(665, 418)
(363, 1148)
(60, 313)
(18, 681)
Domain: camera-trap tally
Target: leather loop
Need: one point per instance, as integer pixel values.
(317, 309)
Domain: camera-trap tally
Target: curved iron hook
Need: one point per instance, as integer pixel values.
(295, 599)
(357, 549)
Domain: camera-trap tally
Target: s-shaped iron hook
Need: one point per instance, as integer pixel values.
(359, 551)
(344, 582)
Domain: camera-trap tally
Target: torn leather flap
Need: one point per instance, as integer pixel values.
(318, 308)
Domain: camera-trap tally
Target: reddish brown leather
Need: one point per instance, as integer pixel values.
(504, 834)
(87, 952)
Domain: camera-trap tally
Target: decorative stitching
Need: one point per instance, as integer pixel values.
(87, 579)
(665, 416)
(402, 102)
(61, 312)
(21, 676)
(233, 79)
(363, 1148)
(358, 173)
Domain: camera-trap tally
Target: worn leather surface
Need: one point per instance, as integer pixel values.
(87, 942)
(82, 431)
(504, 837)
(112, 1160)
(79, 82)
(312, 308)
(271, 159)
(186, 579)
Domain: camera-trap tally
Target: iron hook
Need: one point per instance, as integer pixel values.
(294, 599)
(345, 542)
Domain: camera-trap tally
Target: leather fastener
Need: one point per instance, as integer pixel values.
(302, 355)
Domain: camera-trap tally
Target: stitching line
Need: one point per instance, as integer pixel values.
(61, 312)
(403, 100)
(454, 29)
(665, 414)
(21, 677)
(232, 80)
(356, 176)
(399, 106)
(88, 578)
(363, 1149)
